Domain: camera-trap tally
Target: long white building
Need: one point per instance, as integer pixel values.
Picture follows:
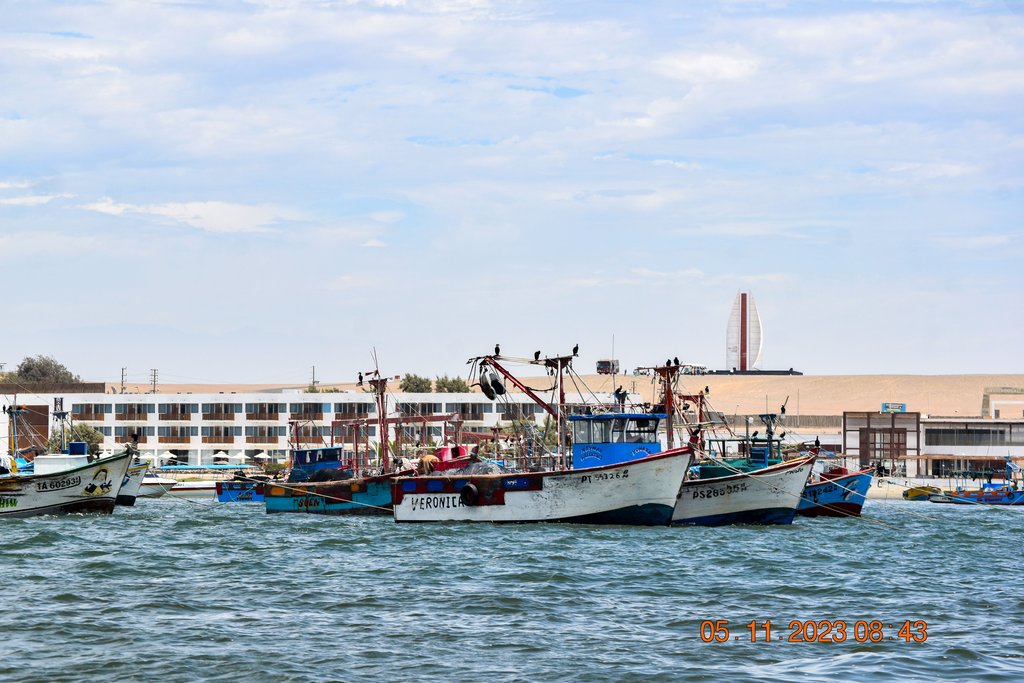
(198, 428)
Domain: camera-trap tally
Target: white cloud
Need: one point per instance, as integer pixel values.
(211, 216)
(387, 216)
(707, 67)
(107, 205)
(373, 244)
(14, 184)
(681, 165)
(32, 200)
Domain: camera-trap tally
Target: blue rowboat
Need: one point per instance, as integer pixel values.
(234, 491)
(836, 492)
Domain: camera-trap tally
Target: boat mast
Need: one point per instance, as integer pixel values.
(667, 375)
(558, 364)
(380, 385)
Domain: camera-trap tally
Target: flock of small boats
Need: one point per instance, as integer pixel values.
(610, 467)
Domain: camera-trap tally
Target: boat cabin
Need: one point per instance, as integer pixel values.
(309, 460)
(612, 438)
(76, 455)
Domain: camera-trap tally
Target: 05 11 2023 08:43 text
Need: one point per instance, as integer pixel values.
(816, 631)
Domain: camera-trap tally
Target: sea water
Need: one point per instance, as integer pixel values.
(171, 590)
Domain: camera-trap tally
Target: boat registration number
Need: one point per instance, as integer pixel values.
(726, 490)
(603, 476)
(6, 503)
(58, 484)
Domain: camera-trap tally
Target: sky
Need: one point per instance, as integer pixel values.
(242, 191)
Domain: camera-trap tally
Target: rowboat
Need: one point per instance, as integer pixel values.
(154, 486)
(1009, 492)
(835, 492)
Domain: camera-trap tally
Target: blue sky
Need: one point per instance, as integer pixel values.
(236, 191)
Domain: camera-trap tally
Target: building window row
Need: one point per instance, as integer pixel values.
(973, 436)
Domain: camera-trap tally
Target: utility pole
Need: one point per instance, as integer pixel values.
(123, 371)
(152, 378)
(60, 414)
(313, 384)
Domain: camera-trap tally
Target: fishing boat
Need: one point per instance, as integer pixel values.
(917, 493)
(60, 483)
(328, 481)
(64, 483)
(629, 482)
(1009, 492)
(641, 492)
(132, 483)
(154, 486)
(759, 487)
(835, 492)
(199, 481)
(241, 489)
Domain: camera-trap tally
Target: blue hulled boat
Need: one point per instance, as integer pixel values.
(1010, 492)
(240, 491)
(835, 492)
(322, 483)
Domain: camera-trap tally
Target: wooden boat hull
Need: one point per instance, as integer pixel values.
(641, 492)
(980, 497)
(89, 488)
(131, 484)
(240, 491)
(202, 488)
(766, 496)
(838, 497)
(360, 496)
(154, 487)
(920, 492)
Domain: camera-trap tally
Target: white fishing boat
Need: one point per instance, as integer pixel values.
(62, 484)
(765, 496)
(633, 481)
(202, 488)
(640, 492)
(154, 486)
(132, 483)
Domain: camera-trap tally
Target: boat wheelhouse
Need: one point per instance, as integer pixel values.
(613, 438)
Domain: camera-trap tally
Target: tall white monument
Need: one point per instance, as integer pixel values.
(743, 335)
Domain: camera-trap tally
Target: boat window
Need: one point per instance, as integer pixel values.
(642, 430)
(601, 431)
(618, 430)
(581, 432)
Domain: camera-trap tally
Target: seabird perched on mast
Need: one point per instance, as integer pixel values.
(536, 355)
(576, 350)
(497, 350)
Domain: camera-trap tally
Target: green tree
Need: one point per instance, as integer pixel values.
(44, 370)
(80, 432)
(414, 384)
(450, 385)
